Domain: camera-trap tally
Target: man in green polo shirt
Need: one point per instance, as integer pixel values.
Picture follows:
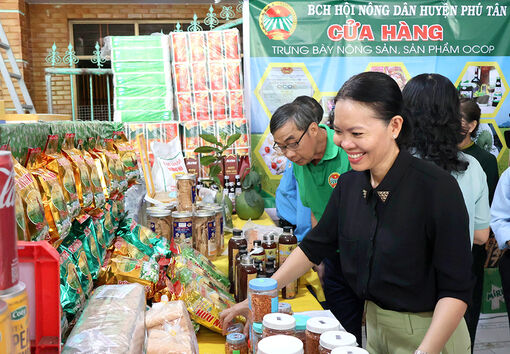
(317, 164)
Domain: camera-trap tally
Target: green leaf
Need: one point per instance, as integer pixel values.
(216, 180)
(232, 139)
(210, 139)
(207, 160)
(223, 136)
(214, 170)
(204, 149)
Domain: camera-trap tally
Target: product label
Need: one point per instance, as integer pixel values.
(183, 232)
(18, 307)
(271, 253)
(274, 304)
(211, 236)
(193, 194)
(284, 251)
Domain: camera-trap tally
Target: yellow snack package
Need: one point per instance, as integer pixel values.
(96, 153)
(127, 154)
(29, 204)
(115, 166)
(55, 207)
(81, 172)
(124, 248)
(94, 172)
(59, 165)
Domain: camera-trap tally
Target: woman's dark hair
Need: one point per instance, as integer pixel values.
(380, 93)
(431, 102)
(315, 106)
(470, 111)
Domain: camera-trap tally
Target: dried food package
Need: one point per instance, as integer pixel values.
(168, 164)
(115, 168)
(215, 45)
(182, 77)
(197, 46)
(55, 207)
(170, 330)
(191, 136)
(97, 153)
(112, 321)
(233, 71)
(199, 76)
(72, 297)
(59, 165)
(232, 44)
(241, 126)
(202, 105)
(84, 230)
(127, 154)
(81, 172)
(30, 204)
(180, 48)
(95, 179)
(217, 76)
(123, 248)
(184, 106)
(219, 105)
(236, 104)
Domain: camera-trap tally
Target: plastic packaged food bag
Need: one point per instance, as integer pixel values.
(168, 162)
(170, 330)
(112, 322)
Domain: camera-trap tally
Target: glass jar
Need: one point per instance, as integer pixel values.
(284, 307)
(185, 192)
(263, 297)
(204, 233)
(218, 215)
(270, 248)
(333, 339)
(287, 242)
(315, 326)
(243, 251)
(160, 221)
(301, 327)
(236, 241)
(255, 336)
(278, 323)
(182, 229)
(280, 344)
(236, 344)
(247, 272)
(235, 328)
(349, 350)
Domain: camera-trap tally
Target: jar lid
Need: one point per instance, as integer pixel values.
(300, 321)
(204, 213)
(334, 339)
(257, 327)
(322, 324)
(279, 321)
(185, 176)
(236, 338)
(263, 284)
(280, 344)
(349, 350)
(284, 307)
(237, 233)
(158, 212)
(287, 229)
(182, 214)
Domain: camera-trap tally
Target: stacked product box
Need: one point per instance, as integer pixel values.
(142, 78)
(208, 86)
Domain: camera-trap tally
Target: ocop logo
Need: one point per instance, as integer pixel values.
(333, 179)
(19, 313)
(278, 20)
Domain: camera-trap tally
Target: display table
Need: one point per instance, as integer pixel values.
(210, 342)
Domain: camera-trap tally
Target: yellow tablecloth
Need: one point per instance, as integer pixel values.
(210, 342)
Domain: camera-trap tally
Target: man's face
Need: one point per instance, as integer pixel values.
(289, 134)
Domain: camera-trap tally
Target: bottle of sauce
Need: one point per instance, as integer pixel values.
(236, 241)
(269, 246)
(243, 251)
(270, 268)
(287, 242)
(258, 252)
(260, 268)
(247, 272)
(238, 189)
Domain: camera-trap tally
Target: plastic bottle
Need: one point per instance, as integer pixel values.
(236, 241)
(287, 242)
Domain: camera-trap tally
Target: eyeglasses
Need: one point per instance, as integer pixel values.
(291, 146)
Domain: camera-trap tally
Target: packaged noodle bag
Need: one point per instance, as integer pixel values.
(144, 239)
(30, 204)
(102, 167)
(81, 172)
(55, 207)
(83, 229)
(74, 245)
(115, 166)
(21, 223)
(94, 172)
(127, 154)
(102, 243)
(121, 270)
(59, 165)
(72, 297)
(123, 248)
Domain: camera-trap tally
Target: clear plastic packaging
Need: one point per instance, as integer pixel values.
(185, 192)
(204, 233)
(280, 344)
(113, 320)
(315, 326)
(170, 330)
(160, 221)
(334, 339)
(263, 297)
(278, 323)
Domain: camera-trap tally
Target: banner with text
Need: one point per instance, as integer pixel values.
(312, 47)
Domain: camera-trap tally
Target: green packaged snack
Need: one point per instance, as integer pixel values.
(101, 241)
(144, 239)
(72, 297)
(83, 229)
(76, 248)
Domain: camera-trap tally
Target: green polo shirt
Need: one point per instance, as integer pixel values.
(316, 182)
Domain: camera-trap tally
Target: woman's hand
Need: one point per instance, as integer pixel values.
(240, 309)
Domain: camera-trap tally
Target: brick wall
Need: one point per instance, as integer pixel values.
(50, 23)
